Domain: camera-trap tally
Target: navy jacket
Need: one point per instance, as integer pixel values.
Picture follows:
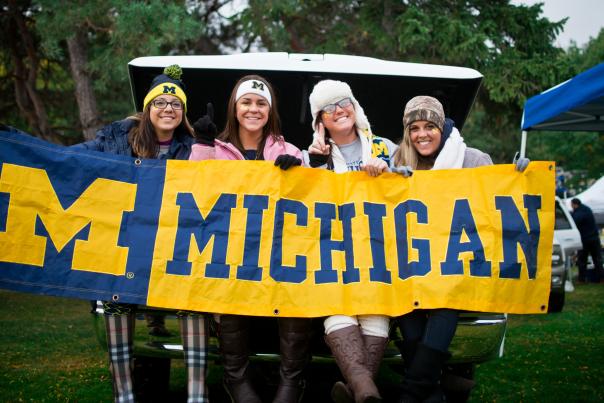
(586, 223)
(113, 138)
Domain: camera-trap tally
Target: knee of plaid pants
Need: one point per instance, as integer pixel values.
(119, 322)
(194, 333)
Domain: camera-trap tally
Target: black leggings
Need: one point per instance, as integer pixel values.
(434, 328)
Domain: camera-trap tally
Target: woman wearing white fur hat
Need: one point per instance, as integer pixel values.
(343, 142)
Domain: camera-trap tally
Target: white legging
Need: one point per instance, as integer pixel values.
(371, 325)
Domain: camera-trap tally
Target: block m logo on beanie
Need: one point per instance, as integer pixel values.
(258, 85)
(169, 89)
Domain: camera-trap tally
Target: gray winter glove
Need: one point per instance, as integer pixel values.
(404, 170)
(521, 163)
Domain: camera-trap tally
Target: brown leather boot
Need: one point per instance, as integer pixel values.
(375, 347)
(348, 348)
(294, 341)
(233, 337)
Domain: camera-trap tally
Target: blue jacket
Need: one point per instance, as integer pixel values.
(113, 138)
(586, 223)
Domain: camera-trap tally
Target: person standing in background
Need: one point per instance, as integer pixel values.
(590, 238)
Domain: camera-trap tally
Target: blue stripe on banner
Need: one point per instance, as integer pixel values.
(71, 172)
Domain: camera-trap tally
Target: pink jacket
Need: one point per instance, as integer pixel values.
(227, 151)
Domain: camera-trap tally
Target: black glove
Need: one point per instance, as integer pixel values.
(317, 160)
(204, 127)
(285, 161)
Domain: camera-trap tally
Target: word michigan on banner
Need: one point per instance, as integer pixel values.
(244, 237)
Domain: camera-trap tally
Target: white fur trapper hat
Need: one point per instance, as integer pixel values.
(330, 91)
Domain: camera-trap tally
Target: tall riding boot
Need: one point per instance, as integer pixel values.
(375, 347)
(408, 349)
(234, 338)
(294, 340)
(348, 348)
(422, 380)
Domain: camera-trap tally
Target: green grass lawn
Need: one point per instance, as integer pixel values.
(551, 358)
(48, 353)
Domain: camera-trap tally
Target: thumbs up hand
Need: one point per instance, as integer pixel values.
(204, 127)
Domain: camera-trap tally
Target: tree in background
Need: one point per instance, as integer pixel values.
(576, 151)
(58, 49)
(511, 45)
(23, 67)
(77, 47)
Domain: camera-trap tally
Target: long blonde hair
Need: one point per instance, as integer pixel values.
(408, 155)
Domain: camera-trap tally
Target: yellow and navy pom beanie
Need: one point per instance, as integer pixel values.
(167, 83)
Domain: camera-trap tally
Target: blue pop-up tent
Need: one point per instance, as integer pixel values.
(574, 105)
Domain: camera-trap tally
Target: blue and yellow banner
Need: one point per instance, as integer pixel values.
(245, 237)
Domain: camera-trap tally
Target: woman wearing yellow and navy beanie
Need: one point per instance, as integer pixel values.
(161, 131)
(167, 83)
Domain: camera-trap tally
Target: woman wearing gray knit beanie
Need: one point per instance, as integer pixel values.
(429, 142)
(343, 142)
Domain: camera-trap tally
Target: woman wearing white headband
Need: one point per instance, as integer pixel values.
(252, 130)
(252, 133)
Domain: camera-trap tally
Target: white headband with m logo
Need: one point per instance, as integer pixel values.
(254, 87)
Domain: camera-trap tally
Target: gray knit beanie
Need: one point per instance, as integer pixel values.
(425, 108)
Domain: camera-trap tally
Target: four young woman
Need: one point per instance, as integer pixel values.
(342, 142)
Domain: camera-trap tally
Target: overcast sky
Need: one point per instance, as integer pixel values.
(586, 18)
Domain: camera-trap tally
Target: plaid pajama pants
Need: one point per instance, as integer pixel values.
(119, 321)
(194, 334)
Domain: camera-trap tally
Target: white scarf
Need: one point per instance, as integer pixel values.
(453, 152)
(339, 163)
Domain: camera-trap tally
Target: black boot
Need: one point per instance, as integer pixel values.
(156, 324)
(422, 379)
(407, 349)
(234, 338)
(294, 340)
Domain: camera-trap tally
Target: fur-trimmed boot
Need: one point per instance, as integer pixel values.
(348, 348)
(294, 341)
(234, 337)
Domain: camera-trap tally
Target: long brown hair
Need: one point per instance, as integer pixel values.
(142, 137)
(230, 134)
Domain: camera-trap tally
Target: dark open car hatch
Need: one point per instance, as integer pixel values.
(381, 87)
